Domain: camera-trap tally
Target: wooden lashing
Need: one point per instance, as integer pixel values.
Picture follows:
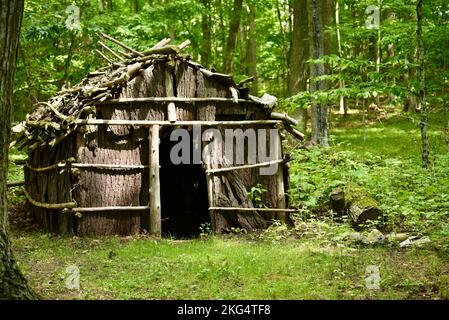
(155, 187)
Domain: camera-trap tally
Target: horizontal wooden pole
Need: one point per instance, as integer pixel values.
(294, 132)
(15, 183)
(170, 99)
(144, 123)
(53, 206)
(108, 166)
(256, 165)
(284, 117)
(118, 208)
(252, 209)
(48, 168)
(87, 165)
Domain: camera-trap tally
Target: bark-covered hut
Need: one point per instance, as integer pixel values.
(99, 152)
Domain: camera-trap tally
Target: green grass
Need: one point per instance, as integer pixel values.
(397, 137)
(15, 173)
(224, 268)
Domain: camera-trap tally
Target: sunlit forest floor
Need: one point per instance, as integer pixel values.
(313, 260)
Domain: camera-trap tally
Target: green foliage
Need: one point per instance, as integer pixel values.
(414, 199)
(255, 195)
(395, 76)
(205, 230)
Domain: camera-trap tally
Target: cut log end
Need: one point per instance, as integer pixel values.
(361, 206)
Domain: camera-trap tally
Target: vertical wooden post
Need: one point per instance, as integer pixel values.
(210, 196)
(282, 216)
(170, 92)
(155, 187)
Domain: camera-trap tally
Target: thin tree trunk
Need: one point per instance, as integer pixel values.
(228, 62)
(319, 109)
(422, 85)
(327, 20)
(252, 47)
(13, 285)
(222, 24)
(378, 58)
(242, 49)
(411, 102)
(341, 83)
(206, 48)
(299, 54)
(68, 61)
(31, 89)
(390, 50)
(281, 30)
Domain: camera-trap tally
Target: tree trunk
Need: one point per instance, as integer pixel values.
(299, 54)
(228, 62)
(378, 59)
(65, 83)
(422, 84)
(12, 283)
(390, 49)
(319, 109)
(327, 10)
(252, 47)
(206, 30)
(341, 83)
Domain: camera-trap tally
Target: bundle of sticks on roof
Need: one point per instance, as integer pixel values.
(54, 120)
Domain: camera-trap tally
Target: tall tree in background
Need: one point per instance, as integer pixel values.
(206, 48)
(422, 85)
(319, 109)
(228, 57)
(327, 18)
(252, 46)
(13, 285)
(299, 53)
(341, 83)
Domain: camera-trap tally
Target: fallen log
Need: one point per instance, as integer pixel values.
(361, 206)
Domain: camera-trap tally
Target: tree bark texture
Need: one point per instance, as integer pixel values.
(252, 48)
(228, 62)
(13, 284)
(319, 109)
(422, 86)
(299, 54)
(206, 25)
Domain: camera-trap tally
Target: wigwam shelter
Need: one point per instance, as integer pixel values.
(99, 153)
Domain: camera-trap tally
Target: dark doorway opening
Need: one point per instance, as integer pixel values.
(184, 201)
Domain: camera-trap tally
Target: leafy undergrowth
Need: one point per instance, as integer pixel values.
(234, 267)
(414, 200)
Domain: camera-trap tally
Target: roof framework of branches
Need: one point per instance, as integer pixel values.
(55, 119)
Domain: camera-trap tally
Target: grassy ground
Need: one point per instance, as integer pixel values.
(225, 268)
(396, 137)
(278, 264)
